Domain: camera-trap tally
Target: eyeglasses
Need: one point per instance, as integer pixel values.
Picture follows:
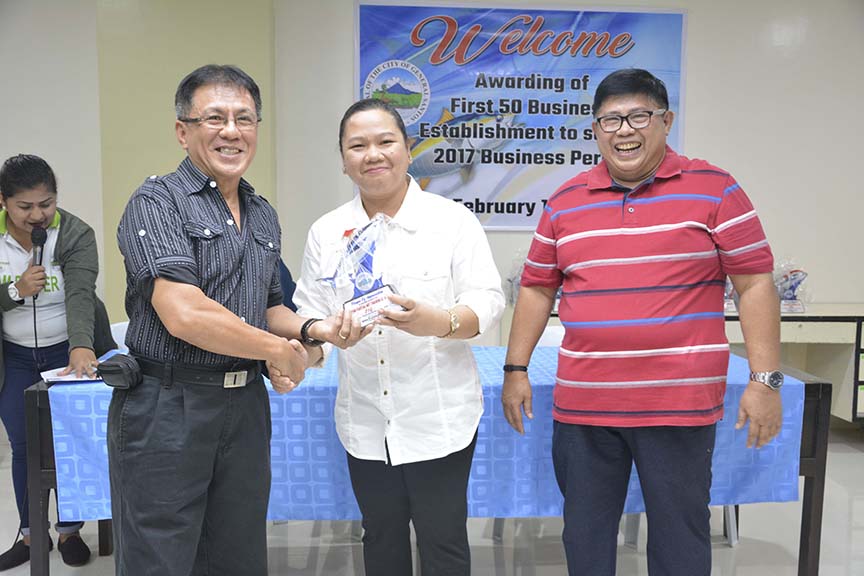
(244, 122)
(636, 120)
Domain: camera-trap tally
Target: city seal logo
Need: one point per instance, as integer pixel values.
(403, 85)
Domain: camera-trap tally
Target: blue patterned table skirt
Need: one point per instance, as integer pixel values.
(512, 475)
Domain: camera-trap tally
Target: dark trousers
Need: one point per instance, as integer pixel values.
(432, 495)
(592, 466)
(22, 367)
(190, 479)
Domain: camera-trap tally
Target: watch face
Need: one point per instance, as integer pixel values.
(775, 379)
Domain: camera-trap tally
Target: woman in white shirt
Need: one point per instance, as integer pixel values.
(409, 399)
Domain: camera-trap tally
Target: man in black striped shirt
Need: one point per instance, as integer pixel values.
(189, 447)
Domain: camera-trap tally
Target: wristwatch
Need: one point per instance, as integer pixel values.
(13, 293)
(772, 379)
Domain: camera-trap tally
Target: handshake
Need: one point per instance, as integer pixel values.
(288, 366)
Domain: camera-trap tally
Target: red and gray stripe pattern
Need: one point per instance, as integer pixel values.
(643, 273)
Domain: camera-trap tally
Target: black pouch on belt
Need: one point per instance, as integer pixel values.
(120, 371)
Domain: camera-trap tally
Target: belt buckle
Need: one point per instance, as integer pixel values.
(234, 379)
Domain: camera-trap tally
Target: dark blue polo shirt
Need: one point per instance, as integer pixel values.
(180, 228)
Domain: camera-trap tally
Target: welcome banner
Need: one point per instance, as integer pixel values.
(497, 101)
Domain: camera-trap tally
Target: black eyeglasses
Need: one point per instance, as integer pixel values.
(244, 122)
(636, 120)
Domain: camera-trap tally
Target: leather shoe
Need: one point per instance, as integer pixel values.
(74, 551)
(18, 554)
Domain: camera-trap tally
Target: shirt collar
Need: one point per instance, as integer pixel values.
(193, 180)
(599, 178)
(55, 222)
(410, 212)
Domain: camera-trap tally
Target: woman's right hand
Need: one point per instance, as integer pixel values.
(32, 281)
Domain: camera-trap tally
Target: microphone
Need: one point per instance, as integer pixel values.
(37, 238)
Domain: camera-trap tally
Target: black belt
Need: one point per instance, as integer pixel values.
(237, 376)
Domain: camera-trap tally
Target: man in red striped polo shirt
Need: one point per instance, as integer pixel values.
(642, 245)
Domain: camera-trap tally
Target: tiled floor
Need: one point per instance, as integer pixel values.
(532, 546)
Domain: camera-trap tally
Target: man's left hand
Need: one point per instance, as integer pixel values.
(763, 407)
(82, 361)
(341, 330)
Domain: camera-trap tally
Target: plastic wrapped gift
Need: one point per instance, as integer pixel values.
(788, 284)
(788, 279)
(358, 268)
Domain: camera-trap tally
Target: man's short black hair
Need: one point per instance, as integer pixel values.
(214, 75)
(24, 172)
(628, 82)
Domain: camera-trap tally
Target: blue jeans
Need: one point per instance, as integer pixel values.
(22, 368)
(592, 466)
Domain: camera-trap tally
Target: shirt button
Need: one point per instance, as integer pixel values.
(229, 222)
(380, 332)
(142, 232)
(153, 177)
(212, 184)
(270, 245)
(206, 231)
(385, 392)
(382, 361)
(243, 318)
(631, 209)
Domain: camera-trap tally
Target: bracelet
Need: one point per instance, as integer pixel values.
(515, 368)
(304, 333)
(454, 323)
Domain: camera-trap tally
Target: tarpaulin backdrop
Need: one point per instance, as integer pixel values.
(497, 101)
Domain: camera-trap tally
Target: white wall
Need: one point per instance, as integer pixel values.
(761, 80)
(50, 97)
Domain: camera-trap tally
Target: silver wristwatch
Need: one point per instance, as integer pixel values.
(13, 292)
(772, 379)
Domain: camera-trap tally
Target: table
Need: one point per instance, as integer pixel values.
(825, 339)
(511, 475)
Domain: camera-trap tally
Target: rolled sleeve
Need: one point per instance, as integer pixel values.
(153, 241)
(275, 296)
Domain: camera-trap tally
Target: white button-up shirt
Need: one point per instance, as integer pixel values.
(421, 395)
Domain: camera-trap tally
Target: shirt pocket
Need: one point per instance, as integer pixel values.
(267, 247)
(428, 280)
(205, 239)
